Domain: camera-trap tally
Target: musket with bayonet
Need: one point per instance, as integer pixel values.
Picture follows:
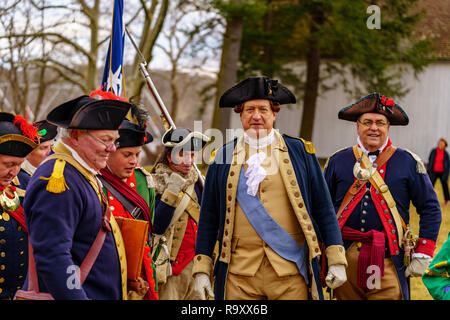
(164, 112)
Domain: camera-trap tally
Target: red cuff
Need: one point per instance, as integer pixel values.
(425, 246)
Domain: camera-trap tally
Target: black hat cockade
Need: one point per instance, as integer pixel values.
(375, 103)
(17, 137)
(254, 88)
(184, 139)
(46, 130)
(89, 113)
(133, 135)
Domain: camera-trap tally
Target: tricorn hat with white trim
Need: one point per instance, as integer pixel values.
(185, 139)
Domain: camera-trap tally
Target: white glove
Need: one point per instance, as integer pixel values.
(336, 276)
(175, 182)
(417, 267)
(202, 283)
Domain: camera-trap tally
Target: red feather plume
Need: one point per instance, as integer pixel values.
(27, 128)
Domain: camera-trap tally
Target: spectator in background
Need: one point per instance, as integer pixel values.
(439, 167)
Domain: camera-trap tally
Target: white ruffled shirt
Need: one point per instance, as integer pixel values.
(255, 173)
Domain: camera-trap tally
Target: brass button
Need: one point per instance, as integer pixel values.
(2, 254)
(2, 241)
(2, 229)
(300, 205)
(2, 267)
(2, 280)
(232, 173)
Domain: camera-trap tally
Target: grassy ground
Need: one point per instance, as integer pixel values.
(418, 289)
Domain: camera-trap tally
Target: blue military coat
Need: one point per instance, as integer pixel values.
(406, 183)
(213, 207)
(62, 228)
(13, 250)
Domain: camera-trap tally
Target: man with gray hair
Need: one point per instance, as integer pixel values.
(66, 210)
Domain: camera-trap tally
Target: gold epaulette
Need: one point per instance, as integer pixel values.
(56, 182)
(212, 156)
(308, 146)
(420, 166)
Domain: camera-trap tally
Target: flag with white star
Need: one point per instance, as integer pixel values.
(113, 79)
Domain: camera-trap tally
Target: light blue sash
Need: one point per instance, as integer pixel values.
(268, 229)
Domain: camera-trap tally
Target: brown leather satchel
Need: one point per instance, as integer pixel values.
(134, 234)
(33, 286)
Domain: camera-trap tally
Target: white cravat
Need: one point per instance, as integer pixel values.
(255, 172)
(372, 158)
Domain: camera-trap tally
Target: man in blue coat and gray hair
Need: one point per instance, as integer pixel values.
(266, 202)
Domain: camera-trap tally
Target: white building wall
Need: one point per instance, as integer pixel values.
(427, 105)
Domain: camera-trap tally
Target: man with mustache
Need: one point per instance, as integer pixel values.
(17, 139)
(371, 185)
(178, 198)
(66, 208)
(266, 202)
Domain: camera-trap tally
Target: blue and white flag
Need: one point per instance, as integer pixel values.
(113, 78)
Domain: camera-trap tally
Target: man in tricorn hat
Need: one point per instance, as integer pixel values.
(177, 210)
(47, 133)
(17, 139)
(371, 185)
(66, 208)
(131, 194)
(266, 201)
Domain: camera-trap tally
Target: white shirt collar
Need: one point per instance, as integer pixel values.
(259, 143)
(372, 158)
(77, 157)
(28, 167)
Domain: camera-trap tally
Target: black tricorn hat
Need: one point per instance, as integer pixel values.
(256, 88)
(88, 113)
(17, 137)
(133, 135)
(375, 103)
(184, 139)
(47, 131)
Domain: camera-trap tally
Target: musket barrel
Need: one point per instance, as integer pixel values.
(156, 96)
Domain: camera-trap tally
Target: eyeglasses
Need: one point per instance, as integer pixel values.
(107, 146)
(378, 123)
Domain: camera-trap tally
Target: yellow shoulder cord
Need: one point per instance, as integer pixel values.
(377, 181)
